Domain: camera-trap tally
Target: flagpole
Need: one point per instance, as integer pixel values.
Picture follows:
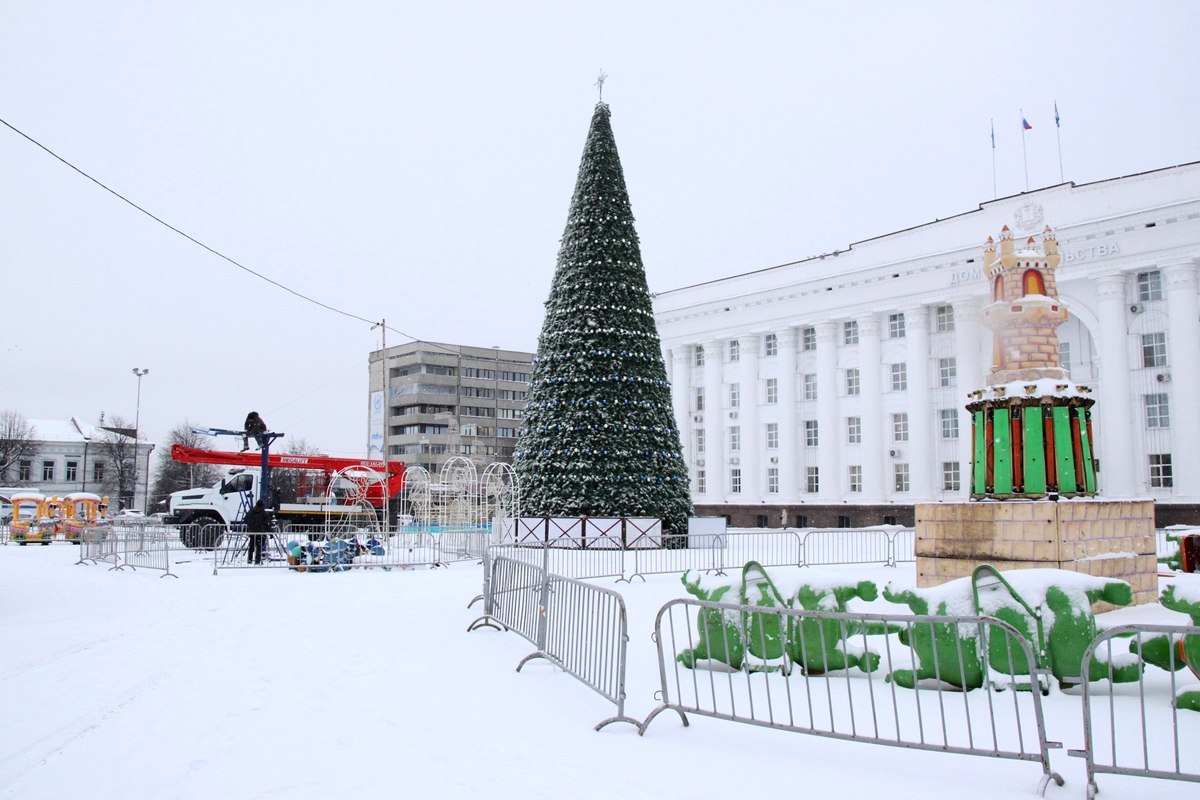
(995, 193)
(1024, 154)
(1058, 135)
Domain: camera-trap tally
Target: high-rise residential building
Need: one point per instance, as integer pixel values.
(444, 400)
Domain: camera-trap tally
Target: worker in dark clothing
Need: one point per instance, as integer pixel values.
(254, 427)
(258, 522)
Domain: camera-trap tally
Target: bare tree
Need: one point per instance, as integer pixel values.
(286, 484)
(117, 450)
(18, 440)
(172, 476)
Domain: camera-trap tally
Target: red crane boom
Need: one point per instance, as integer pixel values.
(394, 470)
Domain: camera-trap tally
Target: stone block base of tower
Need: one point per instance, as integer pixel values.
(1105, 538)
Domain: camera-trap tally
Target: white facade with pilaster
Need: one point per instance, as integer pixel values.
(853, 367)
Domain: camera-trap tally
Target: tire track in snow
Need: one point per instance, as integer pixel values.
(15, 767)
(57, 655)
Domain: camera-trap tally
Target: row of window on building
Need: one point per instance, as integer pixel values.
(49, 472)
(466, 372)
(466, 411)
(1154, 354)
(470, 429)
(951, 479)
(429, 448)
(1160, 477)
(1157, 406)
(944, 316)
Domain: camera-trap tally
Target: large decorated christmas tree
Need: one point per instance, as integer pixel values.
(599, 436)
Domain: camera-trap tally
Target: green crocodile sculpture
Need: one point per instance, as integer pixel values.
(1050, 608)
(820, 645)
(1183, 595)
(758, 641)
(946, 652)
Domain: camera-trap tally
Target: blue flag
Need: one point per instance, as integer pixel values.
(1025, 126)
(1057, 124)
(993, 134)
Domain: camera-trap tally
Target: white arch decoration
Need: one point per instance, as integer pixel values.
(500, 493)
(360, 514)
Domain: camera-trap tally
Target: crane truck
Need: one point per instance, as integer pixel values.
(228, 501)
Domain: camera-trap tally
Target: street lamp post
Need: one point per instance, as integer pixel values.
(137, 421)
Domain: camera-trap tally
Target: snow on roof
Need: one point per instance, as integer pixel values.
(65, 430)
(57, 430)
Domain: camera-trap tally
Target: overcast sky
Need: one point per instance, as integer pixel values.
(416, 164)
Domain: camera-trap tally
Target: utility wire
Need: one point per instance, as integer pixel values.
(196, 241)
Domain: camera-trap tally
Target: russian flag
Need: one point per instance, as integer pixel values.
(1025, 126)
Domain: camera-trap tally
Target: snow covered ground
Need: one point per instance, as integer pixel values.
(366, 684)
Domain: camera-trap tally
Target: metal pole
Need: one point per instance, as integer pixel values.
(146, 481)
(995, 193)
(387, 412)
(137, 421)
(1024, 155)
(1058, 136)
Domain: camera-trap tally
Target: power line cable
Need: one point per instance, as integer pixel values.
(196, 241)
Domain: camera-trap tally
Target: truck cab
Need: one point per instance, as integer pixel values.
(226, 503)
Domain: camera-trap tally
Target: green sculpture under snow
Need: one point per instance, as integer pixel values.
(1175, 652)
(1050, 608)
(729, 639)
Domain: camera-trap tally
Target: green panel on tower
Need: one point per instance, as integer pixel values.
(1089, 468)
(1035, 452)
(979, 484)
(1063, 453)
(1002, 475)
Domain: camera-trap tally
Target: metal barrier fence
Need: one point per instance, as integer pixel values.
(148, 547)
(580, 628)
(97, 546)
(319, 549)
(1139, 732)
(804, 671)
(137, 547)
(1163, 548)
(606, 554)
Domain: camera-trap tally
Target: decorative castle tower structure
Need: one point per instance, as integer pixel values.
(1032, 447)
(1032, 427)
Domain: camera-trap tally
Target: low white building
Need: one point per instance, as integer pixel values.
(73, 456)
(830, 391)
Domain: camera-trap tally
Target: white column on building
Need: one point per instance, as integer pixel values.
(786, 367)
(1117, 467)
(680, 372)
(752, 454)
(1183, 307)
(827, 411)
(971, 377)
(715, 469)
(870, 371)
(920, 413)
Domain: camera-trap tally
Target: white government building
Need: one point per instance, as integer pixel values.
(830, 391)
